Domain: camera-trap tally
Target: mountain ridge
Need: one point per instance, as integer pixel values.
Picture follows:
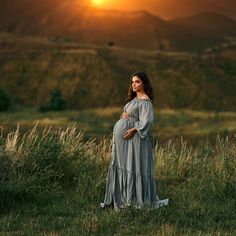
(208, 22)
(135, 29)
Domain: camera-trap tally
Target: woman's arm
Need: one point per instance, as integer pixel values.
(146, 117)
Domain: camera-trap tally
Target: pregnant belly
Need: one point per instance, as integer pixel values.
(121, 126)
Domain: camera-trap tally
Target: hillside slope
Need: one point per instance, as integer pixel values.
(92, 76)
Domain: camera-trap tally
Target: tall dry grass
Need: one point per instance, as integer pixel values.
(218, 160)
(43, 166)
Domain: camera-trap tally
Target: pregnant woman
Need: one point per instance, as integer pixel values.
(130, 179)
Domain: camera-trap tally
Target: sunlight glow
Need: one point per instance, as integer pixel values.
(97, 2)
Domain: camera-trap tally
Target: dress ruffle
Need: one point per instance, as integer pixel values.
(125, 188)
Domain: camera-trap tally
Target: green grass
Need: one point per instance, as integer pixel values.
(51, 183)
(99, 122)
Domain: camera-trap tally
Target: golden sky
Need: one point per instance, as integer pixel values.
(171, 8)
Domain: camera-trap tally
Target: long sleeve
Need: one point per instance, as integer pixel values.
(146, 117)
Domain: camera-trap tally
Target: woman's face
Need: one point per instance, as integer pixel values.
(137, 84)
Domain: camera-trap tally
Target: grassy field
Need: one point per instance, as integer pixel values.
(97, 123)
(51, 183)
(53, 165)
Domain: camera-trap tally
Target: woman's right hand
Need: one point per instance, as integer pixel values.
(124, 115)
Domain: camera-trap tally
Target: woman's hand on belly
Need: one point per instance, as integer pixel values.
(124, 115)
(130, 133)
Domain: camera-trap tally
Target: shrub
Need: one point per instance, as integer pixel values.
(37, 164)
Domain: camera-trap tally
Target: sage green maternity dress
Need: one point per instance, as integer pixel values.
(130, 179)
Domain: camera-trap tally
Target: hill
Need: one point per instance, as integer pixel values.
(209, 22)
(54, 18)
(98, 76)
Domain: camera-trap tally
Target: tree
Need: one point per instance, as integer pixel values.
(57, 102)
(4, 101)
(110, 43)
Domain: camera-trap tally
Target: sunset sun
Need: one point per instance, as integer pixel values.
(97, 2)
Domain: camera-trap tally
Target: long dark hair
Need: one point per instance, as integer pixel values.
(146, 84)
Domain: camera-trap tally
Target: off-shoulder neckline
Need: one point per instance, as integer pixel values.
(142, 99)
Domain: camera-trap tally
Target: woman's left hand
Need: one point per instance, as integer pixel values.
(129, 133)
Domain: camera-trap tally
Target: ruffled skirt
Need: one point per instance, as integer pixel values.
(130, 179)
